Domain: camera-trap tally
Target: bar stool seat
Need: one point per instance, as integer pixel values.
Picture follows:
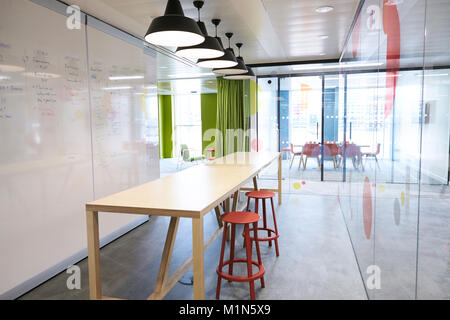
(272, 233)
(245, 218)
(240, 217)
(260, 194)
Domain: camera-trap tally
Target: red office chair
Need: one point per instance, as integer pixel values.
(294, 154)
(354, 152)
(311, 150)
(330, 150)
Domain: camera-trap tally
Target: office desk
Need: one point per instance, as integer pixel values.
(191, 193)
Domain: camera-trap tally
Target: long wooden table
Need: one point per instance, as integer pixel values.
(190, 193)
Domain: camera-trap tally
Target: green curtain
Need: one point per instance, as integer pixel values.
(209, 119)
(233, 117)
(165, 126)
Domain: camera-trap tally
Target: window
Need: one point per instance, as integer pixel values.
(188, 122)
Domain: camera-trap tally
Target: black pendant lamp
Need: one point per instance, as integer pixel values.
(240, 67)
(228, 60)
(209, 49)
(173, 29)
(248, 75)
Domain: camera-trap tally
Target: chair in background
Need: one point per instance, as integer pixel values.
(351, 151)
(294, 154)
(330, 151)
(210, 154)
(373, 154)
(311, 150)
(288, 151)
(187, 157)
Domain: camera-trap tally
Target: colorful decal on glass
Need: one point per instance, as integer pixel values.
(356, 36)
(391, 27)
(305, 91)
(367, 208)
(397, 212)
(256, 145)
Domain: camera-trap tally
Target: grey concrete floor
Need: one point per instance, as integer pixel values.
(323, 248)
(316, 259)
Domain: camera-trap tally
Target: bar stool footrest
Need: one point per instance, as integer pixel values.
(232, 278)
(272, 231)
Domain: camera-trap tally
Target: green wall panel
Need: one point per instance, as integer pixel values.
(165, 126)
(209, 114)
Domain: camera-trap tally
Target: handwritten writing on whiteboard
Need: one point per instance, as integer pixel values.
(39, 68)
(4, 114)
(73, 88)
(7, 90)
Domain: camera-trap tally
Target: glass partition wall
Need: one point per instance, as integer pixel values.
(377, 138)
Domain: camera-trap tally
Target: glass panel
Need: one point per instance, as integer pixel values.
(389, 121)
(433, 276)
(301, 127)
(397, 119)
(333, 117)
(268, 115)
(268, 133)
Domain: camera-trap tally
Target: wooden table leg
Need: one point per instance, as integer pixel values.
(279, 179)
(95, 282)
(219, 220)
(198, 258)
(227, 205)
(228, 208)
(166, 257)
(255, 183)
(235, 200)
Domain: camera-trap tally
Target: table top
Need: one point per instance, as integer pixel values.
(191, 192)
(252, 159)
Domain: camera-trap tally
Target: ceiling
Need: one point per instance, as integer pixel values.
(283, 31)
(271, 30)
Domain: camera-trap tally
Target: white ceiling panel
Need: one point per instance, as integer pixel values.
(271, 30)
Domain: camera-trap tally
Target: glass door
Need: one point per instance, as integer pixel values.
(301, 129)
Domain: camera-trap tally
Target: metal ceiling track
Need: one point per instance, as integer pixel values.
(158, 49)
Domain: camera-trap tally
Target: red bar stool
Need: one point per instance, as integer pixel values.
(245, 218)
(272, 234)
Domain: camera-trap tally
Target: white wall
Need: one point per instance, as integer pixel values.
(66, 137)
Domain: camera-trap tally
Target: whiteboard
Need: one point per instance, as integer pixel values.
(124, 116)
(64, 139)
